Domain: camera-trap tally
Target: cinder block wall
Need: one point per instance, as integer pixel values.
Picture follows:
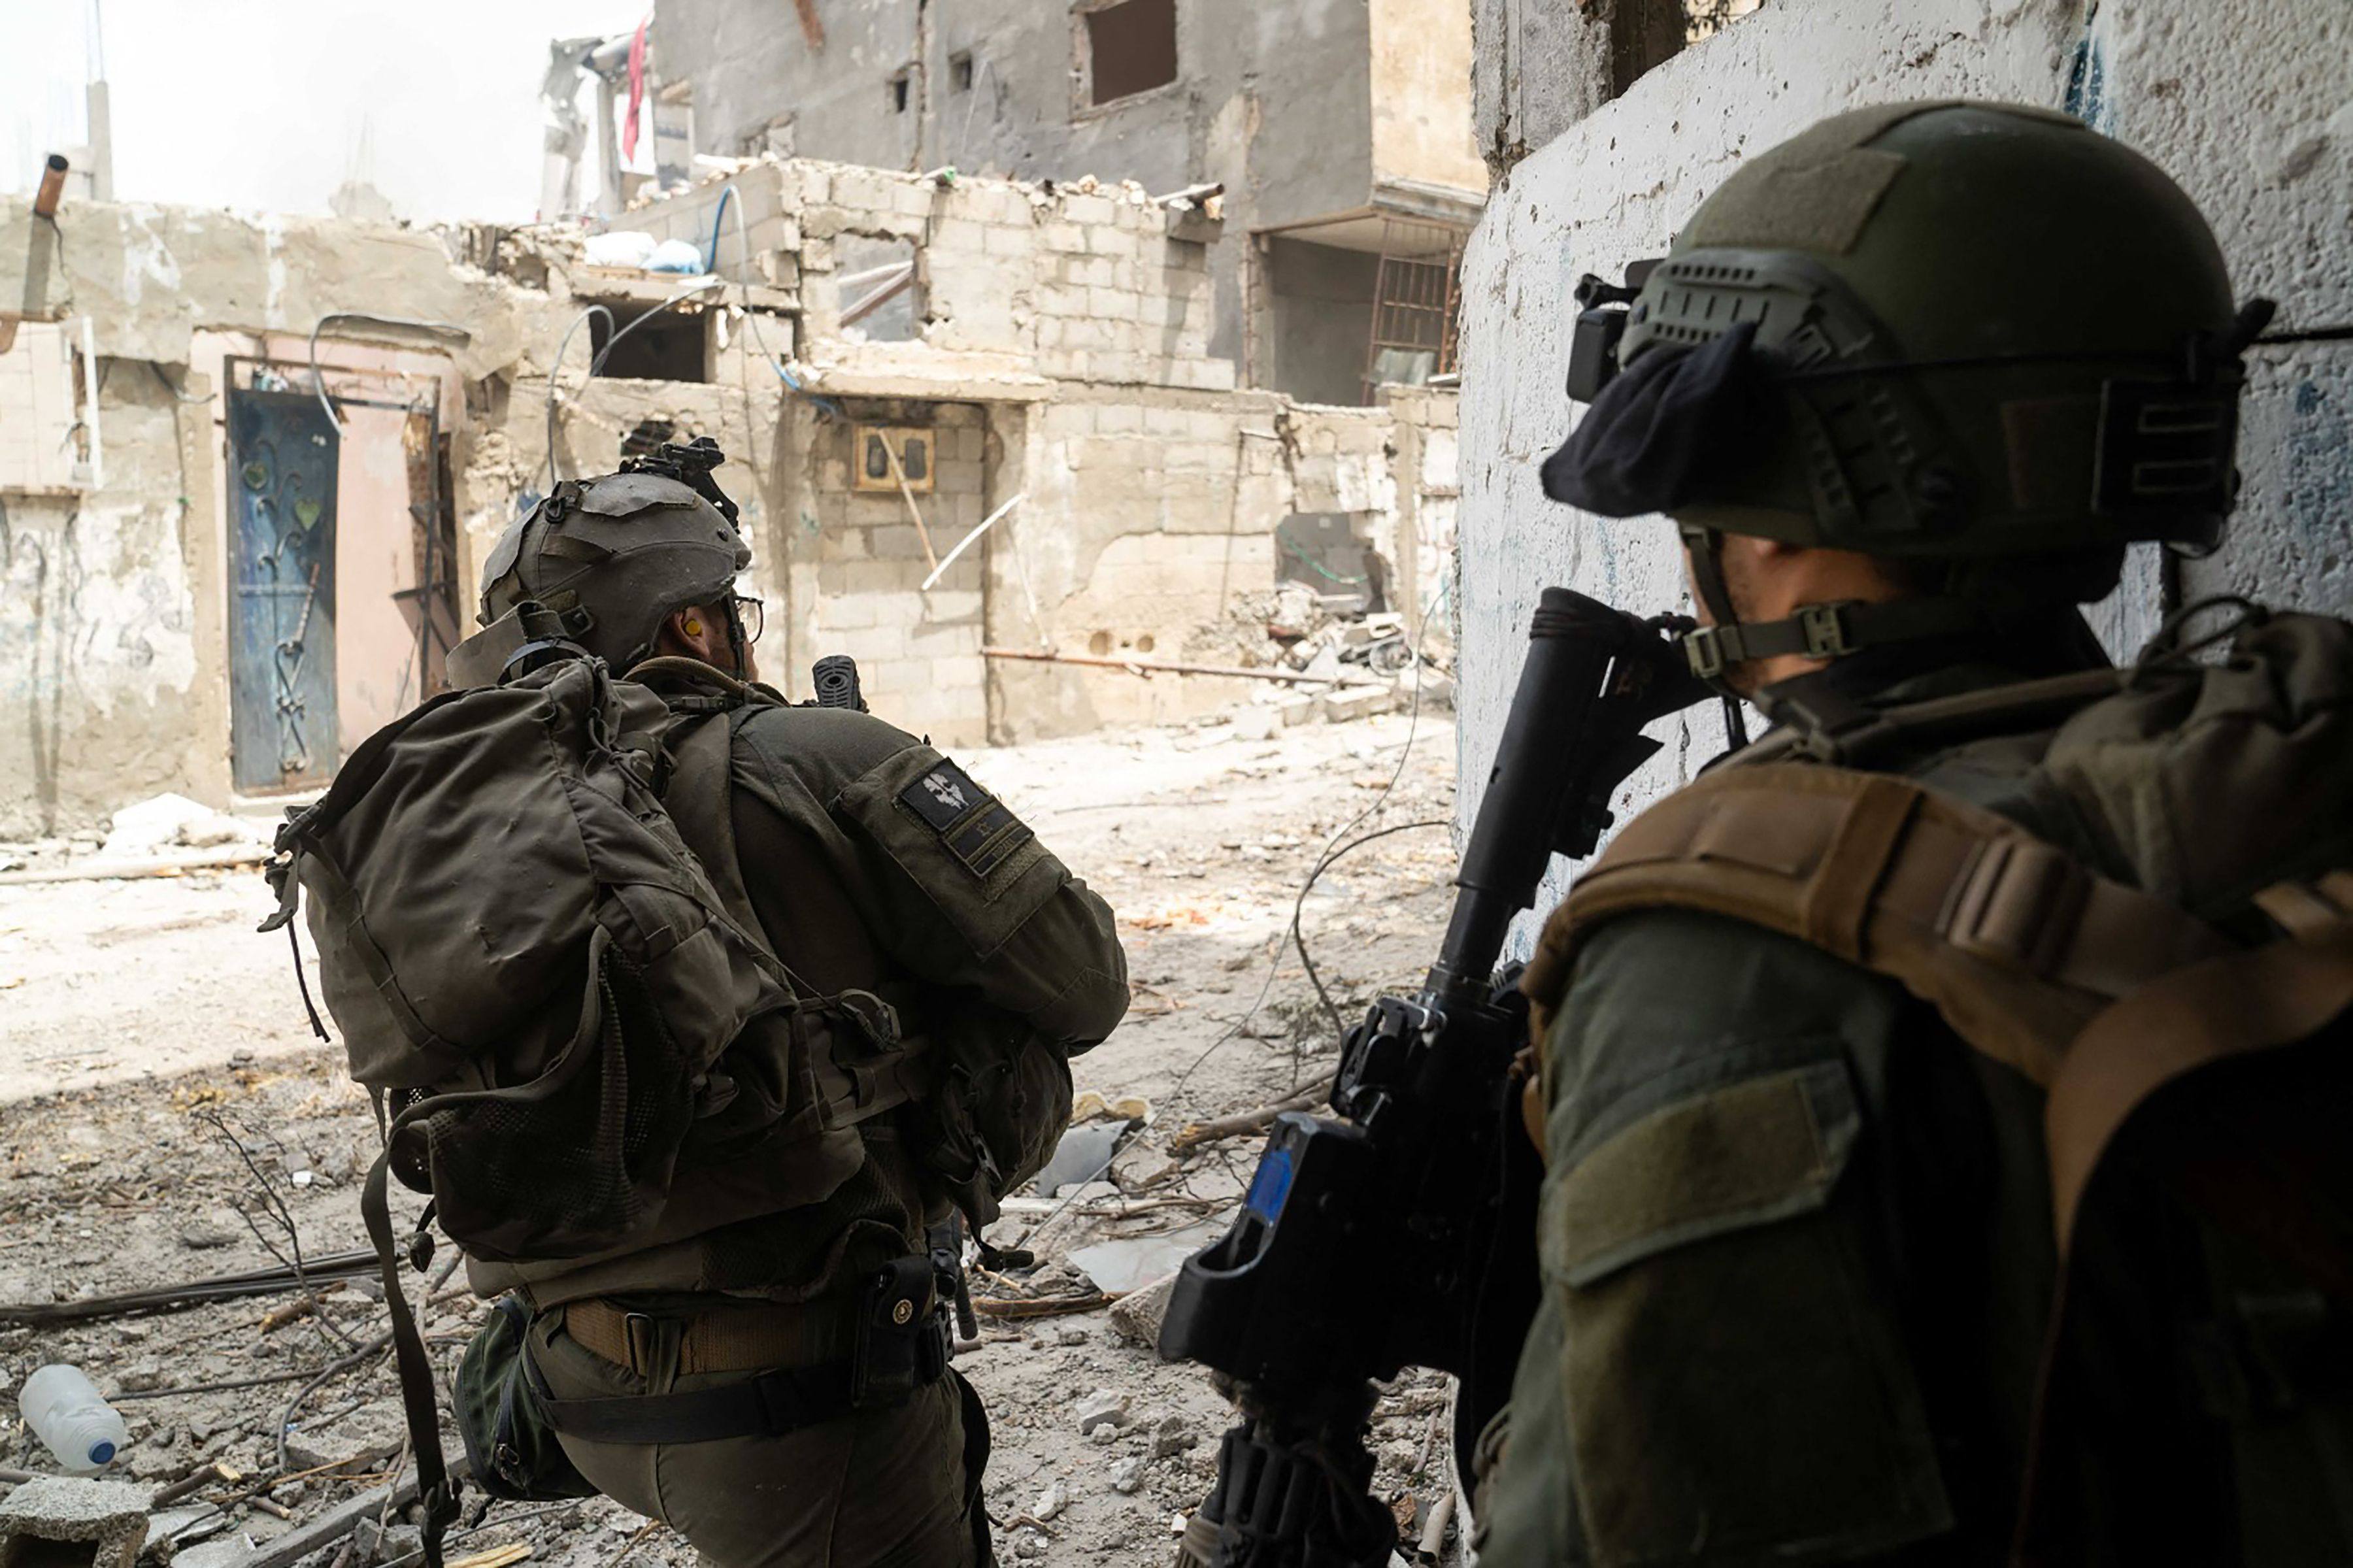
(918, 652)
(2242, 100)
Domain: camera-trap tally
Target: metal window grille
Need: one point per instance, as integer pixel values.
(1415, 296)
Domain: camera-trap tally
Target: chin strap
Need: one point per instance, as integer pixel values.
(1816, 631)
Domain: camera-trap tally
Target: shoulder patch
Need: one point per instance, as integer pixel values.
(973, 824)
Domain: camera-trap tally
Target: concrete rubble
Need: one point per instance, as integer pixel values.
(69, 1523)
(115, 1177)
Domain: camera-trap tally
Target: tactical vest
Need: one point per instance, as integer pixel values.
(2188, 1017)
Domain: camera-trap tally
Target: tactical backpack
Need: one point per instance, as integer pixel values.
(573, 1021)
(2188, 1006)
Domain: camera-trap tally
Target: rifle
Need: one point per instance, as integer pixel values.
(1399, 1232)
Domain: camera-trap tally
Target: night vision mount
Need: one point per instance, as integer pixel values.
(691, 466)
(1603, 309)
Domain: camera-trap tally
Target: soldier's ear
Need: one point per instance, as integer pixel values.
(695, 632)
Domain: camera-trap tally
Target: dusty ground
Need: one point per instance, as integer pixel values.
(146, 1032)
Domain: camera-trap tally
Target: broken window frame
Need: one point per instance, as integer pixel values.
(1083, 104)
(1417, 298)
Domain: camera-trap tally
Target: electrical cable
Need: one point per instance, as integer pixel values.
(1316, 566)
(1331, 850)
(759, 335)
(597, 364)
(319, 380)
(562, 345)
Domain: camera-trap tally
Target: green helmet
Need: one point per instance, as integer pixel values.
(1962, 331)
(602, 564)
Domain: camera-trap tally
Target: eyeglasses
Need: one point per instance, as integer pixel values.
(751, 615)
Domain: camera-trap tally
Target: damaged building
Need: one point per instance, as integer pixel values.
(249, 467)
(1339, 135)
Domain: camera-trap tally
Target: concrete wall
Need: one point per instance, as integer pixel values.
(1422, 66)
(2249, 106)
(1277, 100)
(1319, 319)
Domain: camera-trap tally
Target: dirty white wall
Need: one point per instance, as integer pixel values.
(2249, 103)
(1420, 75)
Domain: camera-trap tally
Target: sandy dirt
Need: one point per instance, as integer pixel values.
(146, 1033)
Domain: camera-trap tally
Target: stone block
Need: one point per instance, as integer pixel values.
(847, 613)
(1359, 703)
(64, 1521)
(955, 604)
(900, 543)
(1139, 1314)
(1063, 236)
(955, 639)
(1088, 209)
(896, 678)
(998, 240)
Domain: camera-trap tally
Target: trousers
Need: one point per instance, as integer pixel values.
(880, 1488)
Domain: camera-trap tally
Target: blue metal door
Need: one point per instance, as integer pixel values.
(281, 484)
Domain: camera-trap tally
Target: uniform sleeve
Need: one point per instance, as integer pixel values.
(1731, 1378)
(954, 886)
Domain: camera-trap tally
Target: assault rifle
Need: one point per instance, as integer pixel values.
(1399, 1232)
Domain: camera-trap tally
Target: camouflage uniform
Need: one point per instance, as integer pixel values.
(1795, 1236)
(857, 890)
(1796, 1242)
(874, 865)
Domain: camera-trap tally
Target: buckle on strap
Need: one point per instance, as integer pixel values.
(2018, 903)
(1704, 651)
(1827, 631)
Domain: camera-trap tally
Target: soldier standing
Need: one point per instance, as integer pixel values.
(1908, 386)
(878, 869)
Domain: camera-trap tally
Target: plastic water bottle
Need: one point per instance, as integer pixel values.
(65, 1412)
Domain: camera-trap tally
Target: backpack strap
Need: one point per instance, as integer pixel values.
(1813, 720)
(2243, 1002)
(865, 1064)
(2015, 942)
(701, 801)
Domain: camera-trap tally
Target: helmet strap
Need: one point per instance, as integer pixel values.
(736, 645)
(1816, 631)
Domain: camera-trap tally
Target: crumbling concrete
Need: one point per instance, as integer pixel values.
(1058, 367)
(2244, 104)
(1306, 111)
(58, 1522)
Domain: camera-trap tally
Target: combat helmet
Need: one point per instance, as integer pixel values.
(601, 563)
(1947, 332)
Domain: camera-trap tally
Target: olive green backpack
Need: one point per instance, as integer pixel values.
(2182, 988)
(573, 1023)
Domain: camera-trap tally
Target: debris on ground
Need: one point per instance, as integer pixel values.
(183, 1164)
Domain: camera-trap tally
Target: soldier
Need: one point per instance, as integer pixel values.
(1908, 386)
(875, 865)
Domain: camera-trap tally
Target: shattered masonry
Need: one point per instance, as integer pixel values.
(1048, 344)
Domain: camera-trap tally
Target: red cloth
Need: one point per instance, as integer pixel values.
(636, 90)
